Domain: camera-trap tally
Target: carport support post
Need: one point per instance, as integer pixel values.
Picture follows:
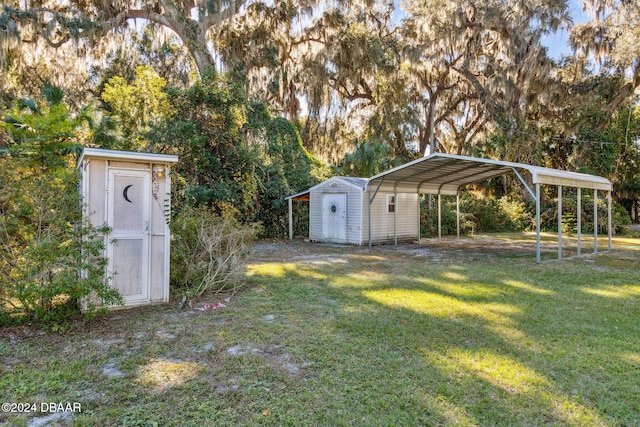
(290, 219)
(369, 215)
(419, 202)
(439, 217)
(595, 221)
(538, 222)
(559, 221)
(457, 216)
(609, 219)
(579, 214)
(395, 221)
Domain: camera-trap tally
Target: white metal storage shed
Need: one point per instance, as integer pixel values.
(339, 213)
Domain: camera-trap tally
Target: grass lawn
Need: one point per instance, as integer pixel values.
(328, 335)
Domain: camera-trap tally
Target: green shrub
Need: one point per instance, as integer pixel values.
(208, 252)
(429, 217)
(478, 214)
(234, 153)
(549, 215)
(486, 214)
(49, 261)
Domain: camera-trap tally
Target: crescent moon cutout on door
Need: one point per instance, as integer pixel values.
(125, 191)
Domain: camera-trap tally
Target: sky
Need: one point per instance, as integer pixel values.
(558, 42)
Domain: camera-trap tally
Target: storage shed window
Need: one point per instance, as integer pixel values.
(391, 204)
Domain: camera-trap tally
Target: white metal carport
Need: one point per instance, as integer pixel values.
(440, 174)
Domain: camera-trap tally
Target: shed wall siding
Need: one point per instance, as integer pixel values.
(96, 193)
(382, 221)
(354, 211)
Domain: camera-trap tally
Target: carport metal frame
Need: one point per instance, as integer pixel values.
(443, 174)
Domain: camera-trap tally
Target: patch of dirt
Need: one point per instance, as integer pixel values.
(233, 383)
(272, 354)
(433, 250)
(108, 342)
(165, 335)
(112, 371)
(56, 417)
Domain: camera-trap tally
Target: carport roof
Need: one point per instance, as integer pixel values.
(445, 173)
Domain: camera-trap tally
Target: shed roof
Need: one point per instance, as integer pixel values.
(445, 173)
(126, 155)
(358, 183)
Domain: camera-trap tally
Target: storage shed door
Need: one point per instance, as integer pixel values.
(334, 217)
(129, 218)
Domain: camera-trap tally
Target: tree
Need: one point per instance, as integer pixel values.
(137, 106)
(49, 261)
(168, 58)
(612, 38)
(27, 70)
(235, 158)
(369, 158)
(330, 63)
(471, 63)
(92, 24)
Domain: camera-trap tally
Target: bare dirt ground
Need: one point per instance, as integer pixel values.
(446, 250)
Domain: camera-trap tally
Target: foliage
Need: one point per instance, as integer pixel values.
(370, 158)
(205, 129)
(94, 29)
(456, 77)
(49, 260)
(479, 213)
(208, 252)
(234, 156)
(549, 214)
(137, 106)
(284, 167)
(610, 38)
(429, 218)
(43, 137)
(617, 156)
(168, 58)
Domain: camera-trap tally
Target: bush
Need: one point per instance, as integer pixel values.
(208, 252)
(549, 215)
(478, 214)
(49, 262)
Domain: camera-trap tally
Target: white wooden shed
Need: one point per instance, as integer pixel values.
(339, 213)
(130, 192)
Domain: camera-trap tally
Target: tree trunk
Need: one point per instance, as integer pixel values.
(192, 33)
(428, 139)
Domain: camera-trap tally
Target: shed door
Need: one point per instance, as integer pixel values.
(334, 217)
(129, 219)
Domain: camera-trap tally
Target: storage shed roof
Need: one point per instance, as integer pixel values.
(359, 183)
(126, 156)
